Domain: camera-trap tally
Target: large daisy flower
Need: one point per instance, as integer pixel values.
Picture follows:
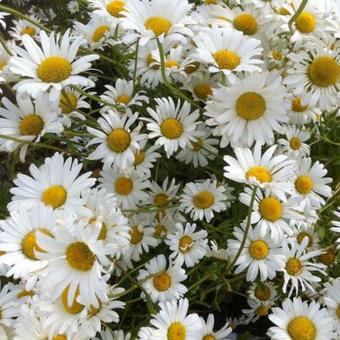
(250, 110)
(51, 66)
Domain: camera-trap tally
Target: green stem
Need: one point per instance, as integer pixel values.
(296, 14)
(135, 69)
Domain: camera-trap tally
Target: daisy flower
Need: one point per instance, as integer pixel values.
(208, 329)
(298, 320)
(298, 269)
(22, 27)
(50, 67)
(201, 85)
(173, 125)
(226, 50)
(201, 200)
(128, 186)
(173, 321)
(162, 282)
(302, 230)
(332, 300)
(107, 334)
(55, 183)
(315, 76)
(111, 8)
(28, 120)
(164, 224)
(257, 310)
(267, 171)
(336, 223)
(187, 245)
(250, 110)
(263, 291)
(156, 19)
(261, 254)
(117, 143)
(293, 144)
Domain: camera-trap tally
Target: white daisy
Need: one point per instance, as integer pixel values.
(263, 291)
(22, 27)
(208, 329)
(332, 300)
(257, 310)
(111, 8)
(173, 125)
(162, 282)
(250, 110)
(51, 66)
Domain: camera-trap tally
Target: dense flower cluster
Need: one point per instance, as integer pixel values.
(164, 170)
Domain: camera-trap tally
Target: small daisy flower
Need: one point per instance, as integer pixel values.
(111, 8)
(257, 309)
(164, 224)
(187, 245)
(226, 50)
(202, 200)
(216, 252)
(208, 329)
(162, 282)
(298, 320)
(22, 27)
(117, 143)
(302, 230)
(173, 125)
(250, 110)
(261, 254)
(145, 158)
(263, 291)
(332, 300)
(50, 67)
(55, 183)
(201, 84)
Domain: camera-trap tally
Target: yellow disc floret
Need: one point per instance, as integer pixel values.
(123, 99)
(293, 266)
(302, 235)
(203, 200)
(161, 200)
(80, 257)
(115, 7)
(250, 106)
(171, 128)
(139, 157)
(270, 209)
(226, 60)
(261, 173)
(68, 102)
(118, 140)
(202, 91)
(31, 125)
(29, 243)
(301, 328)
(295, 143)
(31, 31)
(262, 292)
(304, 185)
(136, 235)
(158, 25)
(296, 105)
(162, 282)
(305, 22)
(246, 23)
(76, 307)
(258, 249)
(185, 243)
(55, 196)
(99, 33)
(54, 69)
(123, 186)
(176, 331)
(324, 71)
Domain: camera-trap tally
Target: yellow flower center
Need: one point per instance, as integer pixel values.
(250, 106)
(161, 200)
(176, 331)
(76, 307)
(226, 60)
(305, 22)
(115, 7)
(159, 230)
(99, 33)
(338, 312)
(80, 257)
(296, 105)
(31, 125)
(210, 2)
(328, 257)
(277, 55)
(271, 209)
(25, 293)
(202, 91)
(28, 30)
(29, 243)
(301, 328)
(324, 71)
(209, 337)
(158, 25)
(293, 266)
(283, 11)
(55, 196)
(162, 282)
(54, 69)
(60, 337)
(295, 143)
(197, 146)
(68, 102)
(171, 63)
(171, 128)
(103, 232)
(304, 185)
(258, 249)
(302, 235)
(139, 157)
(118, 140)
(123, 186)
(193, 67)
(123, 99)
(261, 173)
(151, 60)
(204, 200)
(262, 310)
(246, 23)
(2, 65)
(262, 292)
(185, 243)
(136, 235)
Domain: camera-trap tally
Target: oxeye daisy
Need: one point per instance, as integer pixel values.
(156, 19)
(117, 142)
(201, 151)
(122, 94)
(226, 50)
(161, 281)
(261, 254)
(201, 85)
(298, 269)
(202, 200)
(22, 27)
(51, 66)
(55, 183)
(263, 291)
(250, 110)
(128, 186)
(174, 322)
(272, 214)
(311, 185)
(188, 246)
(257, 310)
(111, 8)
(315, 76)
(332, 300)
(172, 124)
(293, 144)
(298, 320)
(28, 120)
(302, 230)
(208, 329)
(268, 171)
